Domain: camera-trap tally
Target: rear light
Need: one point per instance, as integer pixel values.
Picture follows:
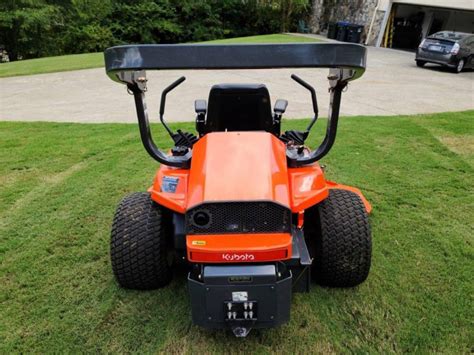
(455, 49)
(422, 44)
(236, 257)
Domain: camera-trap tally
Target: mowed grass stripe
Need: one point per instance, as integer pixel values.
(58, 292)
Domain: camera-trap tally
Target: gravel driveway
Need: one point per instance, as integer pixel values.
(392, 85)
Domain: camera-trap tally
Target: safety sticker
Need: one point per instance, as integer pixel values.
(198, 242)
(169, 184)
(240, 296)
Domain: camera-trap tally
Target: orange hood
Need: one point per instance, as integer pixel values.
(238, 166)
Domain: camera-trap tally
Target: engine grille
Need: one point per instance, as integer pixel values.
(238, 217)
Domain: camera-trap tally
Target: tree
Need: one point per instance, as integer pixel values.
(37, 28)
(28, 28)
(288, 10)
(199, 20)
(87, 29)
(144, 21)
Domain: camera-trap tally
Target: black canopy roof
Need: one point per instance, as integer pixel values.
(129, 58)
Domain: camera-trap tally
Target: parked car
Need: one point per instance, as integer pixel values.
(454, 50)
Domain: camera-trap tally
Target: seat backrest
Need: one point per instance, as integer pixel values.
(239, 107)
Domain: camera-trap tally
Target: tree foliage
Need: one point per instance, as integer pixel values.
(36, 28)
(27, 27)
(287, 10)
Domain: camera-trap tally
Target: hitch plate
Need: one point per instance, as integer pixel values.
(261, 302)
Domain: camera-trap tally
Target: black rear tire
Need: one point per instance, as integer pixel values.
(459, 66)
(420, 63)
(338, 232)
(139, 243)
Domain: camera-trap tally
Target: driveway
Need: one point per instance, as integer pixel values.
(392, 85)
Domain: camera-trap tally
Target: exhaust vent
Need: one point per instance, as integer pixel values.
(238, 217)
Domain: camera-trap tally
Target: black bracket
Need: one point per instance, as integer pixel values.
(137, 88)
(338, 79)
(200, 106)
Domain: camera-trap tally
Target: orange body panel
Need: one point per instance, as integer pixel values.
(307, 187)
(243, 166)
(238, 166)
(238, 247)
(174, 201)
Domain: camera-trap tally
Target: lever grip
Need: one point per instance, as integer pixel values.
(165, 92)
(308, 87)
(301, 82)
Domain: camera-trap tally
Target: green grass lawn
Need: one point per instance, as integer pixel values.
(60, 184)
(274, 38)
(96, 60)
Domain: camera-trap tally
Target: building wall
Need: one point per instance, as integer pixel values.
(356, 11)
(375, 13)
(452, 4)
(371, 40)
(461, 21)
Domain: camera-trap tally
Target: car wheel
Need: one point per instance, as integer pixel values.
(420, 63)
(460, 66)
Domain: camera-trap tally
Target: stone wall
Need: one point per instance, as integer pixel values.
(316, 16)
(355, 11)
(376, 28)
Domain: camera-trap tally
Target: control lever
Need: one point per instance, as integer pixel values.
(200, 106)
(165, 92)
(314, 100)
(180, 139)
(278, 110)
(280, 107)
(297, 137)
(185, 139)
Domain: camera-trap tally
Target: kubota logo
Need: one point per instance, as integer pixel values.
(238, 257)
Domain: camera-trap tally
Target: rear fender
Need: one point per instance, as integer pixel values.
(335, 185)
(170, 188)
(307, 187)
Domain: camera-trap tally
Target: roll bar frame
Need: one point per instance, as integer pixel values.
(128, 65)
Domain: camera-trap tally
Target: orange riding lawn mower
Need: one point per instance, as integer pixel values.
(244, 206)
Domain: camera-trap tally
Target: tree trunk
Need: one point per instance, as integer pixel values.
(286, 11)
(12, 56)
(316, 18)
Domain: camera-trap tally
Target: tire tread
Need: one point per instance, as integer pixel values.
(138, 246)
(343, 246)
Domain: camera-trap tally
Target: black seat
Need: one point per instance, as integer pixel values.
(239, 107)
